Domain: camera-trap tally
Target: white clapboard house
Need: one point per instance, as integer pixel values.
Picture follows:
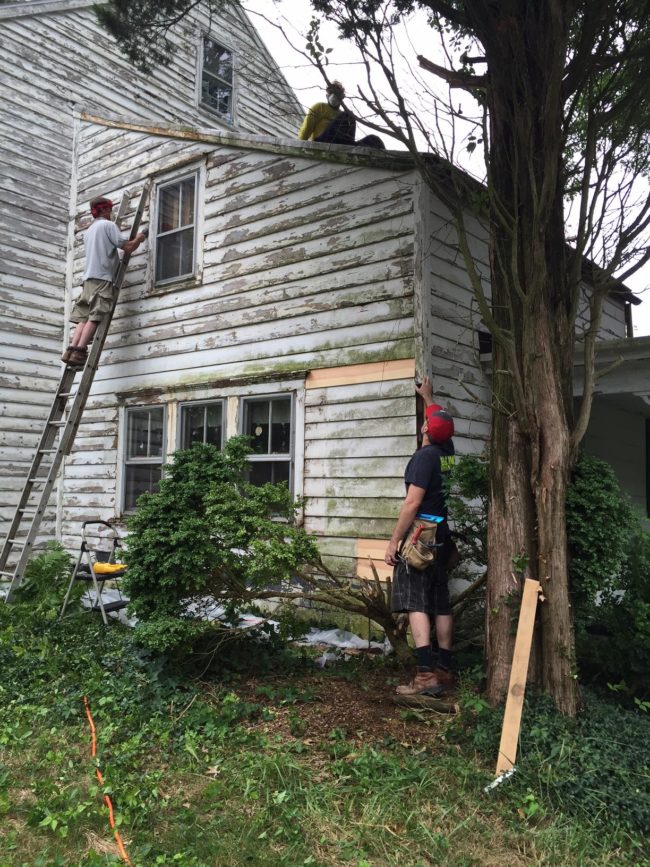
(289, 290)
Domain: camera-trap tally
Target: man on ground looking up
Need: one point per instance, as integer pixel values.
(424, 594)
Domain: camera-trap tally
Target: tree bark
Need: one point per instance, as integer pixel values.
(525, 47)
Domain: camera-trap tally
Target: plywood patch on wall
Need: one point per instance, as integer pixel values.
(376, 371)
(372, 549)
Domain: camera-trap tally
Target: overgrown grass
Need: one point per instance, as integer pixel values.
(236, 771)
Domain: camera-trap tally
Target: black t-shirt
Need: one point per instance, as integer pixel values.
(426, 469)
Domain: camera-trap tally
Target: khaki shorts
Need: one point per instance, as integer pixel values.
(95, 301)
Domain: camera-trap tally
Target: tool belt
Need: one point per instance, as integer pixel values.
(419, 548)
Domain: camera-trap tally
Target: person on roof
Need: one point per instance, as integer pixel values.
(424, 593)
(331, 122)
(102, 241)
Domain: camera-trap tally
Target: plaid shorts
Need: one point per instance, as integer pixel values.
(426, 591)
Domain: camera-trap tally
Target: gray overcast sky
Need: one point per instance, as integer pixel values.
(294, 17)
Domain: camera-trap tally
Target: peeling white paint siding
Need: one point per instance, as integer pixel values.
(306, 264)
(54, 58)
(453, 321)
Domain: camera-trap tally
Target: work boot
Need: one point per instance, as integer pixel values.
(425, 682)
(65, 358)
(77, 358)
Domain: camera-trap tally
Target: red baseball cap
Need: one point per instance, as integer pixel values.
(440, 425)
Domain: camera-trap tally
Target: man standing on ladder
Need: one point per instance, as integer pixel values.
(102, 241)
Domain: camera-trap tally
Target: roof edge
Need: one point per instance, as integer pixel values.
(358, 156)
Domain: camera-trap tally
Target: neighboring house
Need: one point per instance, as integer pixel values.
(289, 290)
(55, 60)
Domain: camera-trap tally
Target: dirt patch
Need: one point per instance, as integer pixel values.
(355, 703)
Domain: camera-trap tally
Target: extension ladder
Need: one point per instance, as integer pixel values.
(28, 514)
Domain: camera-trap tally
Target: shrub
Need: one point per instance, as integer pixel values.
(45, 581)
(600, 524)
(210, 534)
(610, 577)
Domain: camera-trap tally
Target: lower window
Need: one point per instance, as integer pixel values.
(143, 462)
(268, 422)
(201, 423)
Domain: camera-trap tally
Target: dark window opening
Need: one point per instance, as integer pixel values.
(217, 79)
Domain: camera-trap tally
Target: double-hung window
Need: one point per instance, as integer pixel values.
(217, 79)
(145, 446)
(175, 250)
(201, 423)
(268, 421)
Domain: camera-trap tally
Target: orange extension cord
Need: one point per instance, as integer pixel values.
(93, 753)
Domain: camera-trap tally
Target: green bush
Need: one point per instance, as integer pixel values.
(609, 567)
(208, 532)
(610, 578)
(600, 524)
(46, 580)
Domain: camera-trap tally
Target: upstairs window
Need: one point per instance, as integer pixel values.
(268, 421)
(201, 423)
(175, 229)
(217, 79)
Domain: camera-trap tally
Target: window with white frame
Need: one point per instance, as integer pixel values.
(268, 421)
(201, 423)
(217, 79)
(175, 242)
(143, 453)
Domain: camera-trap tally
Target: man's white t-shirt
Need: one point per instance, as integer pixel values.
(102, 240)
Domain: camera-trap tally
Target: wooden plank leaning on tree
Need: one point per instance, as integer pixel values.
(518, 675)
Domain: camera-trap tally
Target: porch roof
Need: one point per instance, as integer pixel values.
(622, 370)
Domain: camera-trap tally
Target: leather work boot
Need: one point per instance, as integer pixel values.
(424, 683)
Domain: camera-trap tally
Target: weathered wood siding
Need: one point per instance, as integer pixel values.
(451, 321)
(307, 264)
(52, 63)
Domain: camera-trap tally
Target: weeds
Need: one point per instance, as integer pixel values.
(234, 771)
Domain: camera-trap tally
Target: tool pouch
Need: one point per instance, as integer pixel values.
(419, 548)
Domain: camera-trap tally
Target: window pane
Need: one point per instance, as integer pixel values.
(169, 208)
(281, 426)
(257, 425)
(175, 255)
(168, 257)
(217, 95)
(217, 60)
(201, 423)
(138, 434)
(187, 252)
(144, 433)
(139, 479)
(214, 424)
(192, 421)
(269, 471)
(156, 435)
(187, 202)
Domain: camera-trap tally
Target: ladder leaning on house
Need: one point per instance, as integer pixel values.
(28, 515)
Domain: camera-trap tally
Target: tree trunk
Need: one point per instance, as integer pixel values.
(525, 48)
(510, 531)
